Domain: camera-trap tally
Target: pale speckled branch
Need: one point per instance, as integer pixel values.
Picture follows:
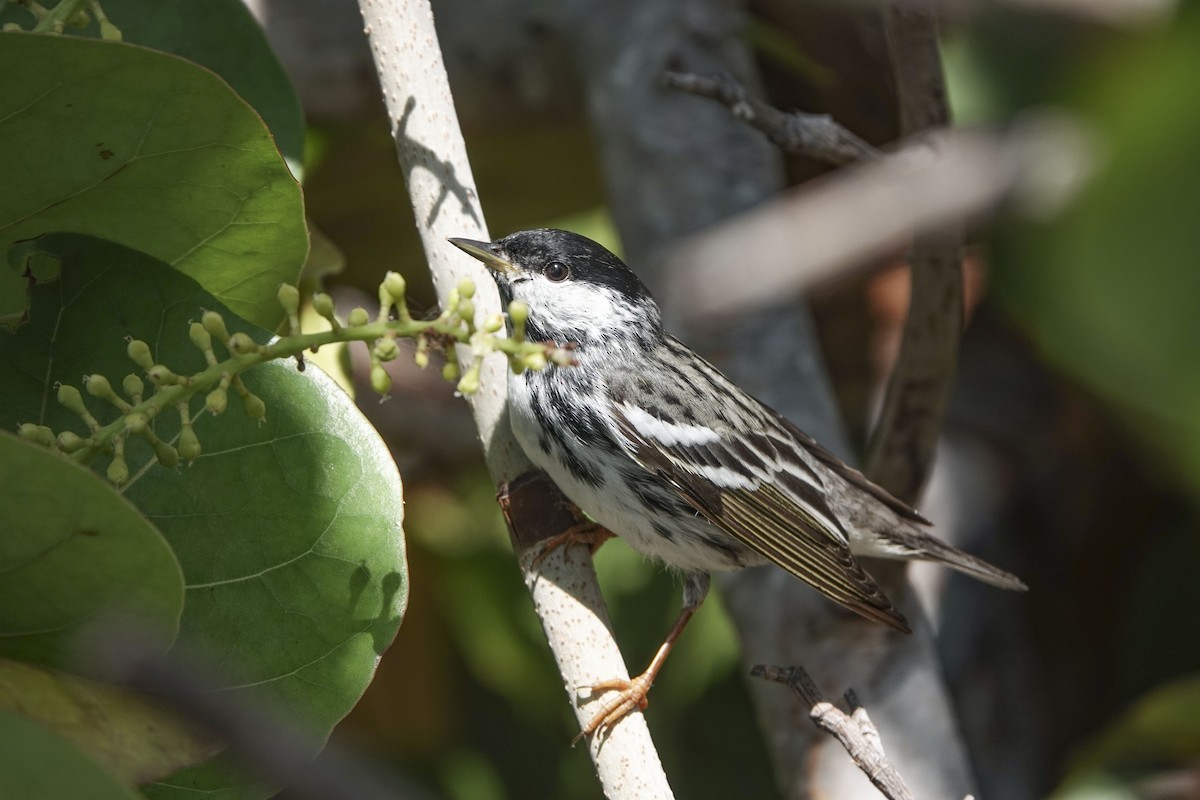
(855, 731)
(433, 155)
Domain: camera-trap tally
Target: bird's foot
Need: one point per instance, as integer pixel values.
(582, 532)
(632, 695)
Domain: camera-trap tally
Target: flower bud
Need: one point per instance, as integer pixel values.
(118, 470)
(200, 337)
(535, 361)
(133, 387)
(98, 386)
(289, 298)
(139, 353)
(493, 323)
(386, 349)
(214, 323)
(381, 381)
(450, 371)
(421, 357)
(358, 317)
(189, 445)
(217, 400)
(323, 305)
(518, 313)
(466, 288)
(110, 32)
(470, 381)
(241, 343)
(69, 442)
(256, 409)
(160, 375)
(396, 286)
(36, 433)
(167, 455)
(70, 399)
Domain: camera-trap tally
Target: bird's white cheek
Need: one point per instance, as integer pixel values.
(587, 310)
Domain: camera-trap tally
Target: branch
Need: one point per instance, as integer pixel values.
(818, 231)
(901, 450)
(434, 159)
(814, 135)
(855, 731)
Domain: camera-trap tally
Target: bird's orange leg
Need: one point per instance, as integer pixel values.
(632, 693)
(584, 531)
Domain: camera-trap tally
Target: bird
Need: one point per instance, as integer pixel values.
(657, 446)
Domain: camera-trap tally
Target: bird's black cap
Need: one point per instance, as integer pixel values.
(531, 251)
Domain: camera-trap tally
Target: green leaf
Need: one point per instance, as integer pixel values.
(134, 740)
(288, 532)
(151, 151)
(1160, 733)
(1108, 290)
(39, 765)
(72, 548)
(219, 34)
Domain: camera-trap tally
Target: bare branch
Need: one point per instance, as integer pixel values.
(814, 135)
(855, 731)
(900, 453)
(434, 159)
(864, 212)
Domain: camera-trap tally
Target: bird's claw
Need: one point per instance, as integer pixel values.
(583, 532)
(632, 695)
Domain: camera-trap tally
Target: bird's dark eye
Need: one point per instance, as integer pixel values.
(556, 271)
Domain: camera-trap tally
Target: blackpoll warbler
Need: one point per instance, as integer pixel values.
(660, 448)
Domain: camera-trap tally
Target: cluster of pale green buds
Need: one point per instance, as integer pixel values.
(168, 390)
(68, 13)
(454, 328)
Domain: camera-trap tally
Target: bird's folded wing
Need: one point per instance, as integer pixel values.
(750, 489)
(849, 473)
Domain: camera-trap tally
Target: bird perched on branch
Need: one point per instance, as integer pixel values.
(660, 448)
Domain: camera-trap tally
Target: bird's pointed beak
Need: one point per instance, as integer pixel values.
(485, 252)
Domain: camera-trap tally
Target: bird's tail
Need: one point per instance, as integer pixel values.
(931, 549)
(912, 543)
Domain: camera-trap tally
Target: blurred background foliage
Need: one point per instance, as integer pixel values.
(1080, 378)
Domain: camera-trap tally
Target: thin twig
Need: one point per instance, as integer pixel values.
(855, 731)
(814, 135)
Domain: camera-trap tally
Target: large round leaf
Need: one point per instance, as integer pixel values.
(72, 549)
(149, 150)
(219, 34)
(288, 532)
